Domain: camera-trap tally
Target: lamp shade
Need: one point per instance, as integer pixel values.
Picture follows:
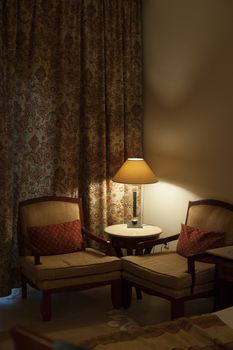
(135, 171)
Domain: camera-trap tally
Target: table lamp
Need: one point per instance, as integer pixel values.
(135, 171)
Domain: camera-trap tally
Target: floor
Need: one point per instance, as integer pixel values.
(80, 315)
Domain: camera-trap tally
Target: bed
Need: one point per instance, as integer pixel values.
(209, 331)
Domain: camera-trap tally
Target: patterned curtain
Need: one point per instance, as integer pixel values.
(70, 108)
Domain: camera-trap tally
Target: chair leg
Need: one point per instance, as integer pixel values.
(126, 294)
(45, 306)
(138, 293)
(24, 286)
(177, 308)
(116, 294)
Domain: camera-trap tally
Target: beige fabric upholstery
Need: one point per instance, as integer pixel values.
(83, 269)
(48, 212)
(82, 263)
(166, 273)
(174, 293)
(212, 218)
(79, 281)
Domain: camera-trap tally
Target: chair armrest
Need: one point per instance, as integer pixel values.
(203, 257)
(156, 241)
(34, 251)
(104, 242)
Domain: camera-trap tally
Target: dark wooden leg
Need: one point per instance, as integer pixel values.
(177, 308)
(138, 293)
(116, 294)
(127, 294)
(147, 250)
(129, 251)
(118, 252)
(138, 290)
(45, 306)
(223, 296)
(24, 286)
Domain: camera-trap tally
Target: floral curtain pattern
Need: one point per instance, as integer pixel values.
(70, 108)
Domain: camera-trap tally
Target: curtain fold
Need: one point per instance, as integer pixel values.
(71, 108)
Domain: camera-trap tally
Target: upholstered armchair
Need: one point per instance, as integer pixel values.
(188, 272)
(54, 256)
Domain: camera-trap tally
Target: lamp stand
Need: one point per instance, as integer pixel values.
(134, 222)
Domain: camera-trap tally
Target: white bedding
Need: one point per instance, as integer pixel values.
(212, 331)
(226, 316)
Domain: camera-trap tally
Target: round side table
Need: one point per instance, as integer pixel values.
(128, 237)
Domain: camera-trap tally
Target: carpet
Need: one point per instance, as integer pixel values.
(77, 316)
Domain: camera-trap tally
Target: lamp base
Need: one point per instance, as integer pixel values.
(134, 224)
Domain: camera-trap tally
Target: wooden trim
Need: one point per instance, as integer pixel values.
(116, 293)
(96, 238)
(156, 241)
(47, 294)
(80, 203)
(34, 252)
(106, 245)
(223, 297)
(50, 199)
(27, 339)
(212, 202)
(177, 304)
(126, 294)
(73, 287)
(191, 270)
(164, 296)
(45, 305)
(127, 286)
(22, 204)
(204, 257)
(209, 202)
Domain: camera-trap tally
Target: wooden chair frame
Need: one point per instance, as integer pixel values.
(177, 305)
(45, 305)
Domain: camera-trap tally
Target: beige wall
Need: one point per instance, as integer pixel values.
(189, 105)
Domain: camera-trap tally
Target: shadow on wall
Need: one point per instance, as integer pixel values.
(189, 104)
(197, 175)
(185, 42)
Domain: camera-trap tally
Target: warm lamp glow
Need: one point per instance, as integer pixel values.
(135, 171)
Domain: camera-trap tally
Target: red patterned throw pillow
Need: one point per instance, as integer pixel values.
(56, 238)
(196, 241)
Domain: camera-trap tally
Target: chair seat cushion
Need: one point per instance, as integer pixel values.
(167, 269)
(82, 263)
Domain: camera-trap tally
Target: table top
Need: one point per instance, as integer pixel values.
(222, 252)
(121, 230)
